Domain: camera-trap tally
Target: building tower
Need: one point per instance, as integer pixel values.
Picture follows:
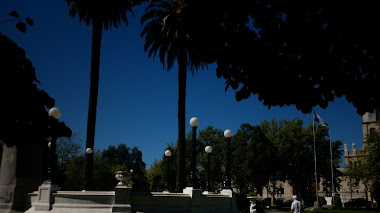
(369, 124)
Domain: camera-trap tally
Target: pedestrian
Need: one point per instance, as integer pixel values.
(296, 205)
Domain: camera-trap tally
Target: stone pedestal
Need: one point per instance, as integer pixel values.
(122, 199)
(329, 201)
(21, 173)
(45, 199)
(197, 202)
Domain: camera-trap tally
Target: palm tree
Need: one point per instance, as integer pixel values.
(102, 14)
(167, 34)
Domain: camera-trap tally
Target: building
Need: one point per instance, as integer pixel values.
(349, 188)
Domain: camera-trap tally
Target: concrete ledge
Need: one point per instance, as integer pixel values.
(92, 199)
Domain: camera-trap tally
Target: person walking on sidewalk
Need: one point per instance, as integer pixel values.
(296, 205)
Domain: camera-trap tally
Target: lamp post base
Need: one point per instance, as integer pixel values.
(45, 201)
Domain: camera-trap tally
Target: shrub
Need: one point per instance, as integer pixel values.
(337, 201)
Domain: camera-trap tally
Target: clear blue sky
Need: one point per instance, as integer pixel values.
(138, 99)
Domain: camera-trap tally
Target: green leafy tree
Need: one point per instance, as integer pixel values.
(214, 138)
(167, 34)
(157, 173)
(156, 176)
(106, 163)
(102, 15)
(73, 174)
(67, 148)
(295, 150)
(125, 158)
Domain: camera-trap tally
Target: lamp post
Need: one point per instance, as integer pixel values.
(168, 153)
(55, 113)
(49, 176)
(194, 122)
(88, 169)
(208, 150)
(228, 135)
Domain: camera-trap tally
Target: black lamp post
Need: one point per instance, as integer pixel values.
(49, 176)
(194, 122)
(88, 169)
(55, 113)
(168, 153)
(208, 150)
(228, 135)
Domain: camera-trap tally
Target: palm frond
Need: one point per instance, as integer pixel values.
(111, 13)
(165, 32)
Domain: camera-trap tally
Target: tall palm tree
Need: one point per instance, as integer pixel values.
(103, 14)
(167, 33)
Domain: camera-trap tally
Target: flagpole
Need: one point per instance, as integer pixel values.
(332, 171)
(315, 162)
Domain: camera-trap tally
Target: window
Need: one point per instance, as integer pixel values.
(280, 192)
(259, 193)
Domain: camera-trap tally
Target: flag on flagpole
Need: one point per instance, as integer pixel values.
(318, 119)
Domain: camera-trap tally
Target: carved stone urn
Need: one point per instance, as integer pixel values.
(123, 177)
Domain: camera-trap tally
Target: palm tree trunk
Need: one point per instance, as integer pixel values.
(93, 100)
(181, 143)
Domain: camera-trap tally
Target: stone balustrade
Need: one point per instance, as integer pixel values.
(123, 200)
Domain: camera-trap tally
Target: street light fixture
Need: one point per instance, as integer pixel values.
(228, 135)
(89, 151)
(208, 150)
(52, 156)
(194, 122)
(168, 153)
(55, 113)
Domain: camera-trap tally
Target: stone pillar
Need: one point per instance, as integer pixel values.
(122, 199)
(197, 199)
(7, 177)
(21, 173)
(45, 199)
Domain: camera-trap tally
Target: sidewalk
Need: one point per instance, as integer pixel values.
(278, 211)
(284, 210)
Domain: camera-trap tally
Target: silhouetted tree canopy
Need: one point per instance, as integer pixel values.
(23, 109)
(302, 53)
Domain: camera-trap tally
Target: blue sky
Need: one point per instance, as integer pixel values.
(138, 99)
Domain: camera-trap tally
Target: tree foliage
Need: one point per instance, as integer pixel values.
(307, 53)
(261, 156)
(157, 173)
(123, 157)
(19, 88)
(106, 163)
(68, 147)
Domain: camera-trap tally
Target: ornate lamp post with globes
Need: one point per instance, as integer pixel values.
(168, 153)
(194, 122)
(228, 135)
